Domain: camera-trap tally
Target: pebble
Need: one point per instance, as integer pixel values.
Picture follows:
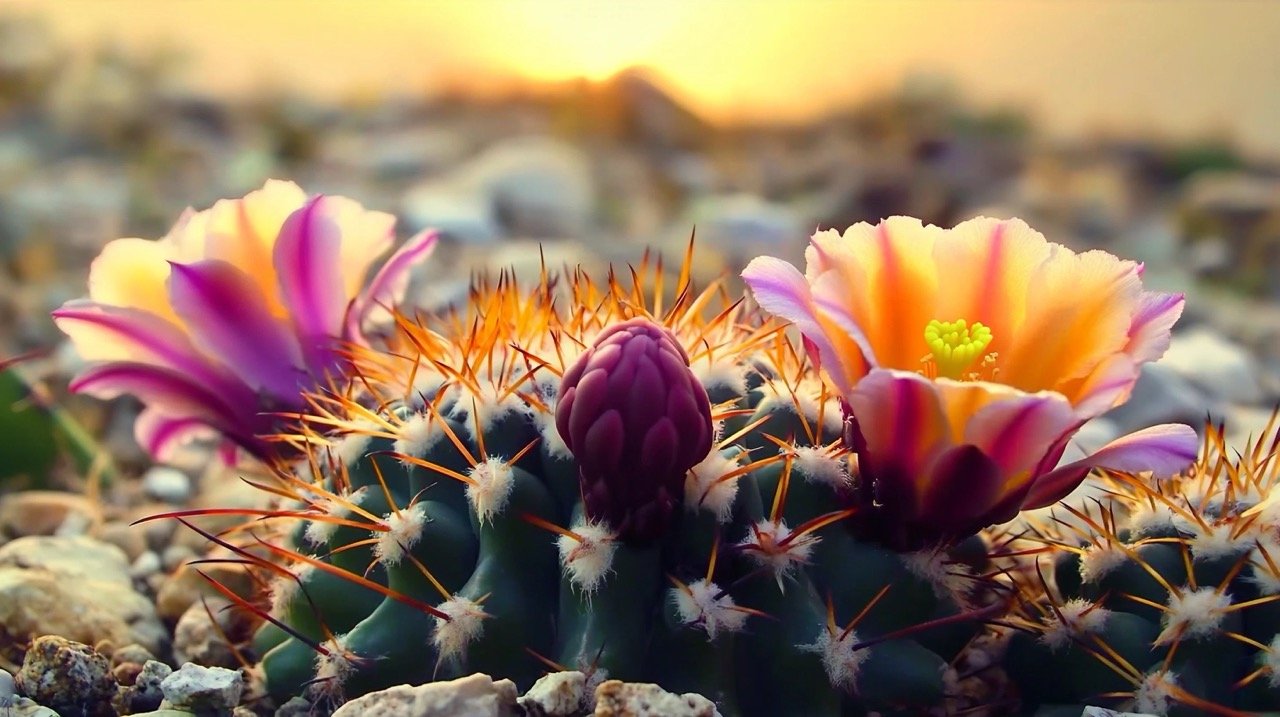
(75, 587)
(196, 638)
(618, 699)
(44, 512)
(175, 556)
(203, 689)
(24, 707)
(184, 588)
(474, 696)
(132, 539)
(146, 565)
(557, 694)
(167, 484)
(7, 688)
(145, 693)
(67, 676)
(295, 707)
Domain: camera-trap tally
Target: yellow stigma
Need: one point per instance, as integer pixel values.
(954, 345)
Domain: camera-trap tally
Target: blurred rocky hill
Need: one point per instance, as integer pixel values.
(102, 144)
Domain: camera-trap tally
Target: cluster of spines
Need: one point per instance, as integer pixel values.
(1158, 596)
(434, 500)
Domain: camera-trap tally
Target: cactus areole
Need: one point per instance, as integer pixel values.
(636, 419)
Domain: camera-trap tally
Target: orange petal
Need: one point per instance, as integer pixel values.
(1079, 312)
(243, 232)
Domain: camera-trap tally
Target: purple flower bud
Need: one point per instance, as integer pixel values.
(636, 419)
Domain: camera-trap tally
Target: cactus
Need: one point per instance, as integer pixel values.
(458, 511)
(1160, 598)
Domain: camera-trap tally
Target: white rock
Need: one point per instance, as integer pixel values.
(167, 484)
(557, 694)
(617, 699)
(7, 690)
(537, 186)
(1104, 712)
(474, 696)
(75, 587)
(146, 565)
(203, 689)
(1223, 369)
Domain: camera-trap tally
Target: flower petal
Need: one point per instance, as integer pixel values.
(1164, 450)
(1152, 326)
(178, 394)
(1080, 313)
(132, 273)
(161, 434)
(963, 485)
(1016, 431)
(243, 232)
(307, 261)
(871, 268)
(388, 285)
(113, 333)
(904, 428)
(366, 235)
(780, 289)
(230, 320)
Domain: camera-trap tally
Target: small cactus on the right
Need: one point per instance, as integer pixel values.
(1160, 598)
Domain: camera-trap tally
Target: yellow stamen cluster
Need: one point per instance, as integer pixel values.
(954, 345)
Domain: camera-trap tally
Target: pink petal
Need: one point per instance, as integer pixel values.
(229, 319)
(780, 289)
(388, 285)
(115, 333)
(1164, 450)
(307, 260)
(1016, 432)
(902, 422)
(161, 434)
(1108, 385)
(1153, 324)
(165, 390)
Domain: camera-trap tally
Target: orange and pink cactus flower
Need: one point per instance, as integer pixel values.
(223, 324)
(966, 359)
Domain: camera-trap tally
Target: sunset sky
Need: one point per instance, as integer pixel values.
(1172, 66)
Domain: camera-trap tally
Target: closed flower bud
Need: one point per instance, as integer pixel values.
(636, 420)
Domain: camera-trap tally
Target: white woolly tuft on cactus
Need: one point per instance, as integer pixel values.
(352, 447)
(285, 588)
(478, 411)
(404, 529)
(816, 465)
(948, 580)
(807, 399)
(1074, 619)
(332, 670)
(490, 488)
(319, 532)
(1154, 695)
(700, 603)
(840, 660)
(703, 488)
(588, 558)
(720, 373)
(463, 625)
(1197, 613)
(765, 545)
(1098, 561)
(1217, 541)
(419, 434)
(1271, 660)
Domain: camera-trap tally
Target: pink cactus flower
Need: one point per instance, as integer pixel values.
(236, 312)
(967, 358)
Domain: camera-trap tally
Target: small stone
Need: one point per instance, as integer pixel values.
(474, 696)
(147, 564)
(7, 688)
(196, 638)
(78, 588)
(295, 707)
(185, 587)
(132, 539)
(43, 512)
(134, 653)
(175, 556)
(167, 484)
(1104, 712)
(203, 689)
(617, 699)
(24, 707)
(145, 692)
(558, 694)
(243, 711)
(126, 673)
(67, 676)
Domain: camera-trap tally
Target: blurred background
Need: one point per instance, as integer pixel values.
(594, 129)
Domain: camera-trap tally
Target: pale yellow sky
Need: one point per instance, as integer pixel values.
(1171, 66)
